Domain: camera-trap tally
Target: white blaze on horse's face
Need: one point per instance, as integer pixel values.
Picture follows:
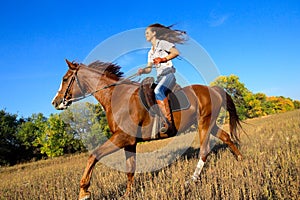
(61, 105)
(60, 87)
(66, 91)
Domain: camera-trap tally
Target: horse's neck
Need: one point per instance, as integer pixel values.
(96, 83)
(104, 93)
(104, 97)
(111, 97)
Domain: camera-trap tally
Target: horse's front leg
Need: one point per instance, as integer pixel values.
(84, 194)
(130, 153)
(115, 143)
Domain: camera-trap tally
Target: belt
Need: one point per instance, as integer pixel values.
(168, 71)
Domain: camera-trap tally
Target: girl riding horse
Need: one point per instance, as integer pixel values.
(163, 50)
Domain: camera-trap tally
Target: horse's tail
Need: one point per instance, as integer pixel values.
(234, 120)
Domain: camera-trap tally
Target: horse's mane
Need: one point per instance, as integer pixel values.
(108, 68)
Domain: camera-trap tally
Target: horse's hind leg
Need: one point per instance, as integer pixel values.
(204, 127)
(222, 135)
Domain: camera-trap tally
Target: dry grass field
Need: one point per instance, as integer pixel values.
(270, 169)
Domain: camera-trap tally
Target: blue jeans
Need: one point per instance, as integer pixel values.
(164, 83)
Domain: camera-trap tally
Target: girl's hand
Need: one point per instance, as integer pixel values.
(159, 60)
(140, 71)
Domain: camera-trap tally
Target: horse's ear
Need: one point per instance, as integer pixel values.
(71, 65)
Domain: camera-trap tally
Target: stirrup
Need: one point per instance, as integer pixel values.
(167, 127)
(164, 128)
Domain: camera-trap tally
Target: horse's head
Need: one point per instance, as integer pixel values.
(70, 88)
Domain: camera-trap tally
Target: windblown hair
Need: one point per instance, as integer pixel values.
(168, 34)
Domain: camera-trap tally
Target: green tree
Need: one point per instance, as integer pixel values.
(8, 141)
(100, 131)
(56, 140)
(296, 104)
(237, 91)
(233, 86)
(253, 105)
(28, 132)
(89, 122)
(280, 104)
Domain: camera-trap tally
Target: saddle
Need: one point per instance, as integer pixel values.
(177, 99)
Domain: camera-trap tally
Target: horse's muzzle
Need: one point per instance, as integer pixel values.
(61, 104)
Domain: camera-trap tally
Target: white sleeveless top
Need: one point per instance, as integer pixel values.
(161, 49)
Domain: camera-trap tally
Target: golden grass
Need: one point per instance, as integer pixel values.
(270, 169)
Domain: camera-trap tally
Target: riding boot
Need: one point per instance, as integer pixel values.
(165, 109)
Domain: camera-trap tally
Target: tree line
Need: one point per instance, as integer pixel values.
(83, 126)
(251, 105)
(80, 128)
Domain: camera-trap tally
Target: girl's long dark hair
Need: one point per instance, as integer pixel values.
(168, 34)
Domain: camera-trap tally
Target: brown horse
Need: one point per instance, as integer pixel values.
(130, 122)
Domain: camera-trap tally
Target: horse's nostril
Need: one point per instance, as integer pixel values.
(55, 104)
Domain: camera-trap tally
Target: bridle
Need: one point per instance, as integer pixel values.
(74, 78)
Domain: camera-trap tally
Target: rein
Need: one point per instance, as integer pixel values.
(75, 77)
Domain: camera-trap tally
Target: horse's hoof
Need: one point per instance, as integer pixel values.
(191, 181)
(125, 196)
(187, 184)
(86, 196)
(239, 158)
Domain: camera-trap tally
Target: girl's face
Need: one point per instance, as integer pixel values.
(149, 34)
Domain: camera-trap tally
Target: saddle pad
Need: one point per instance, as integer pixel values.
(179, 101)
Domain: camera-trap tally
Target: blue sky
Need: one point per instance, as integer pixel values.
(255, 40)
